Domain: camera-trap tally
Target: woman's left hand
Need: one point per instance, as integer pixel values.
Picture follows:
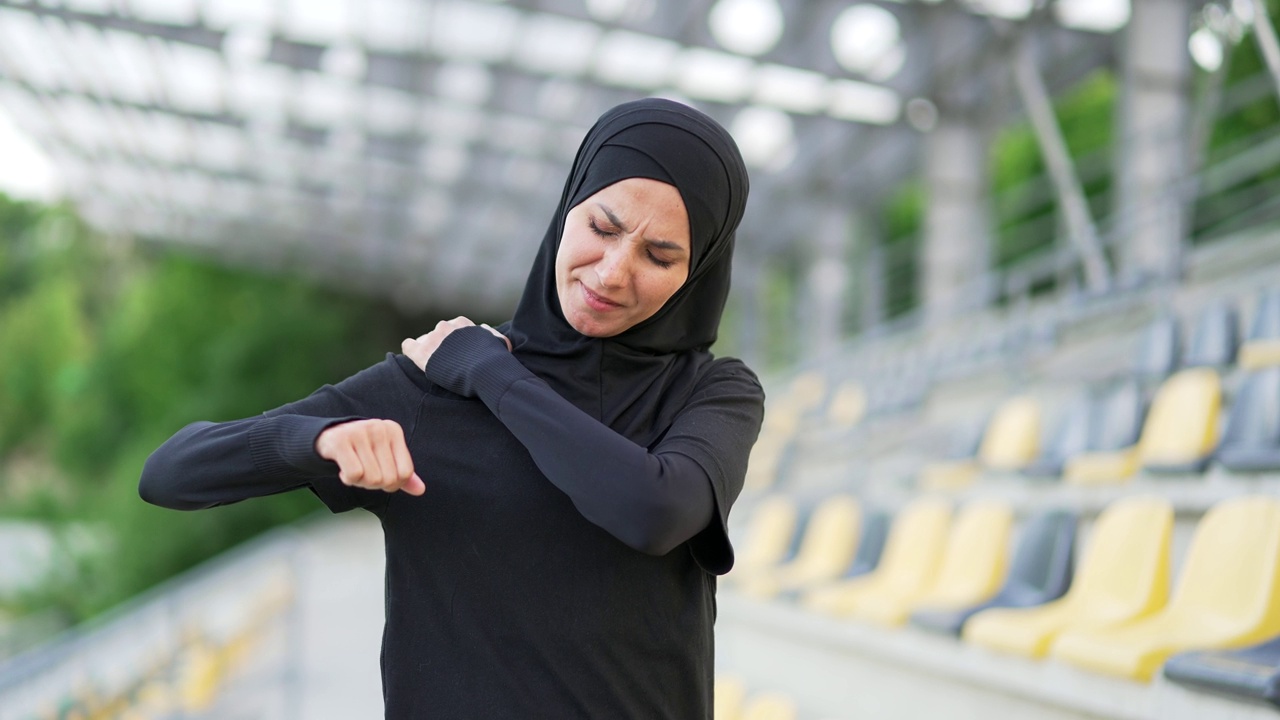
(421, 349)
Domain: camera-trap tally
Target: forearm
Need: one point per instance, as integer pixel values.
(652, 502)
(209, 464)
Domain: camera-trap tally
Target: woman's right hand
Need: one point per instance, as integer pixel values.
(371, 454)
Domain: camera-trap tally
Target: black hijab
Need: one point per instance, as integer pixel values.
(635, 382)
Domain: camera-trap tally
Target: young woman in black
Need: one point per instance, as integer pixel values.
(554, 492)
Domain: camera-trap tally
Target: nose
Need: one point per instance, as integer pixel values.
(614, 268)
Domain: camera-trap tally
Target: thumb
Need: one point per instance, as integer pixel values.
(414, 486)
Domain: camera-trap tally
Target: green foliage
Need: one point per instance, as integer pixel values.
(104, 355)
(1026, 207)
(903, 218)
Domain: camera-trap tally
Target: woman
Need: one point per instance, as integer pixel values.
(554, 493)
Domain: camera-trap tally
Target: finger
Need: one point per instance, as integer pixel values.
(462, 321)
(505, 339)
(414, 486)
(386, 435)
(350, 470)
(400, 453)
(363, 444)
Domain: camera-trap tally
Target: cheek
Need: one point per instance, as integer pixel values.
(659, 288)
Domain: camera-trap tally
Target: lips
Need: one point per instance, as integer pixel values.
(598, 303)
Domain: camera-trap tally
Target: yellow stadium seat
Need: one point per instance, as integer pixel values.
(1259, 354)
(781, 422)
(768, 537)
(976, 558)
(730, 696)
(807, 389)
(200, 677)
(829, 544)
(1102, 468)
(1123, 575)
(770, 706)
(970, 571)
(1010, 441)
(848, 405)
(1228, 595)
(1262, 348)
(907, 567)
(1179, 435)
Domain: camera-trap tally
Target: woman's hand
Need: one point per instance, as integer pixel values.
(371, 454)
(421, 349)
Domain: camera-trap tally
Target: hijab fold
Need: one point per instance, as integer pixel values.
(637, 381)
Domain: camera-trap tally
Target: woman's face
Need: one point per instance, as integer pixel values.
(625, 251)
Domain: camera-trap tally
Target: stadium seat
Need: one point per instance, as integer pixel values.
(1011, 441)
(825, 552)
(1179, 434)
(769, 706)
(1226, 597)
(1262, 348)
(1040, 572)
(1159, 349)
(1066, 438)
(909, 564)
(974, 563)
(1251, 673)
(768, 537)
(969, 571)
(1123, 576)
(730, 695)
(1251, 441)
(781, 424)
(875, 530)
(1216, 339)
(848, 405)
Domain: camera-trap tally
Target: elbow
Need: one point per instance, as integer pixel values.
(156, 485)
(151, 485)
(657, 529)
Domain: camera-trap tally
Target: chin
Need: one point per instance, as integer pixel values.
(592, 329)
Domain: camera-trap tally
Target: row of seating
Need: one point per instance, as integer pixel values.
(1164, 417)
(1111, 612)
(184, 681)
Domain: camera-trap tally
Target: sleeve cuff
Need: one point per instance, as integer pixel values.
(472, 362)
(285, 445)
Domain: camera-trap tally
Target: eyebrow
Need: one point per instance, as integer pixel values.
(661, 244)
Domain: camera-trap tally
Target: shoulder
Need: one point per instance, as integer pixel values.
(729, 377)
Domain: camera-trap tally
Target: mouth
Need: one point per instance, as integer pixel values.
(596, 302)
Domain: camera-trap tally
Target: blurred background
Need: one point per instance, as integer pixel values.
(1016, 260)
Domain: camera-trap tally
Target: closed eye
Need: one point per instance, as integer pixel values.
(660, 262)
(600, 231)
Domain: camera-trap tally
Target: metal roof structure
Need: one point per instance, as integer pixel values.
(415, 148)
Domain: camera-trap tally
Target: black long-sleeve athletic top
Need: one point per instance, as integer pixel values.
(553, 568)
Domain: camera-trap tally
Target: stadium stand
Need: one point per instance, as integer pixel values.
(767, 539)
(826, 550)
(1228, 594)
(908, 565)
(1123, 576)
(1009, 442)
(1040, 572)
